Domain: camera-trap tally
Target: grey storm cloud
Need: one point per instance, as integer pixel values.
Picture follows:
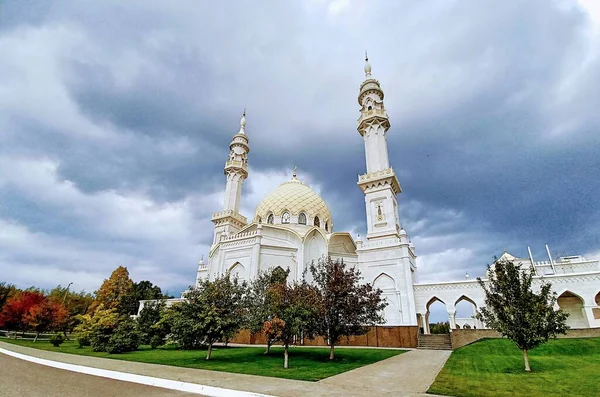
(116, 117)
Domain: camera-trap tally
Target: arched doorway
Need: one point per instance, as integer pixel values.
(436, 318)
(388, 287)
(573, 304)
(466, 311)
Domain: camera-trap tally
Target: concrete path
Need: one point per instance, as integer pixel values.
(408, 374)
(24, 379)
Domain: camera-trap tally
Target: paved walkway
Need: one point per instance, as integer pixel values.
(25, 379)
(408, 374)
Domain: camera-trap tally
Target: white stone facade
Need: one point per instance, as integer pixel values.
(293, 227)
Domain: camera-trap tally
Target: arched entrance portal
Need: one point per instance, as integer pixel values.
(466, 311)
(573, 304)
(436, 319)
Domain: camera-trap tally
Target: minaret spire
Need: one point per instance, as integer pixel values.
(229, 220)
(380, 184)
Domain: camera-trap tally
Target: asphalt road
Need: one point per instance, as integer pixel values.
(19, 378)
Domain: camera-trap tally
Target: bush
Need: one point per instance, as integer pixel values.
(57, 340)
(156, 341)
(125, 338)
(83, 341)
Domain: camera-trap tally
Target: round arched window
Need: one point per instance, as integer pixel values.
(326, 227)
(302, 218)
(285, 218)
(317, 223)
(270, 219)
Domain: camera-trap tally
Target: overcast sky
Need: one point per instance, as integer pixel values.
(115, 120)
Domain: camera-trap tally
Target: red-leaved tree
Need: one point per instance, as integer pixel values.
(14, 313)
(46, 316)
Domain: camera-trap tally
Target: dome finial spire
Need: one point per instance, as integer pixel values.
(294, 175)
(367, 66)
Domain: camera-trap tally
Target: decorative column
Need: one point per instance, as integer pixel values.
(452, 315)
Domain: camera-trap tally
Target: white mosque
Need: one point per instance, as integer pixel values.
(293, 226)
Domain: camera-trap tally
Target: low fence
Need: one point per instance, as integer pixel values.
(381, 336)
(463, 337)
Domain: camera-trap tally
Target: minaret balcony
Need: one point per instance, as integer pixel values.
(219, 218)
(237, 166)
(372, 117)
(379, 178)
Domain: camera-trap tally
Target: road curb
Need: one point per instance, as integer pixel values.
(205, 390)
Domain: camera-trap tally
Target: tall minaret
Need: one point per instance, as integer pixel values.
(380, 184)
(230, 221)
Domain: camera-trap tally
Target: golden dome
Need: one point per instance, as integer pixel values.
(295, 198)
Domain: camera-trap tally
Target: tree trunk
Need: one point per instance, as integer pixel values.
(209, 351)
(36, 336)
(268, 347)
(331, 352)
(526, 358)
(285, 357)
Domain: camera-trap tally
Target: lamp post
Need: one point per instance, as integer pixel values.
(66, 292)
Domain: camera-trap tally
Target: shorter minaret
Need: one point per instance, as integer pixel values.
(230, 221)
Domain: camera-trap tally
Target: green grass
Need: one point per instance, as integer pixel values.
(494, 367)
(306, 363)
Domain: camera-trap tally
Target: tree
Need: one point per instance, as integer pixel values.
(212, 311)
(295, 310)
(513, 309)
(47, 315)
(259, 307)
(440, 328)
(13, 315)
(347, 306)
(149, 316)
(106, 330)
(6, 292)
(115, 292)
(76, 303)
(144, 290)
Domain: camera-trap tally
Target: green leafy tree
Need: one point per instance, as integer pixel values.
(259, 306)
(115, 292)
(295, 309)
(149, 316)
(347, 307)
(144, 290)
(211, 312)
(440, 328)
(106, 330)
(513, 309)
(6, 292)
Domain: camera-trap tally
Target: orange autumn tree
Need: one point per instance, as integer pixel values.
(114, 292)
(47, 315)
(14, 312)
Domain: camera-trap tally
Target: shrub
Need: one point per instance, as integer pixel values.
(57, 340)
(124, 338)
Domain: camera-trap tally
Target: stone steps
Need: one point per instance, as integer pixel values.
(435, 342)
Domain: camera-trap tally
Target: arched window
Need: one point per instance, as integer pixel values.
(302, 218)
(285, 218)
(270, 219)
(326, 227)
(317, 223)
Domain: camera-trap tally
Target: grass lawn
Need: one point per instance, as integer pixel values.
(306, 363)
(494, 367)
